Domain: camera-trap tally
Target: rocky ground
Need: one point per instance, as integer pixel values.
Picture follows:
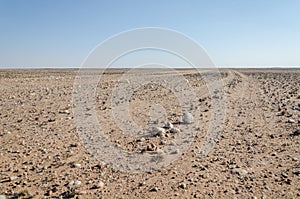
(254, 155)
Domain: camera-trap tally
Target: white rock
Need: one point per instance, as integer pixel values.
(2, 197)
(100, 185)
(77, 182)
(12, 178)
(77, 165)
(187, 118)
(159, 131)
(71, 183)
(168, 125)
(291, 121)
(239, 171)
(64, 111)
(160, 152)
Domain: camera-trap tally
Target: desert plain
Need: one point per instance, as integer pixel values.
(253, 153)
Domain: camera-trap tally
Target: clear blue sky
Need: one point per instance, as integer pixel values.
(61, 33)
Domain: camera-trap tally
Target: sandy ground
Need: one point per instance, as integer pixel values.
(254, 155)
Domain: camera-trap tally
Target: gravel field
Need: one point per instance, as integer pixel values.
(253, 152)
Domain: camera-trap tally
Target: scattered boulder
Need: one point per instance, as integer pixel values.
(187, 118)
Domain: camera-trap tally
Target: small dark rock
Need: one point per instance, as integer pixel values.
(154, 189)
(295, 133)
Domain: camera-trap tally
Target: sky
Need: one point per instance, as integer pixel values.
(234, 33)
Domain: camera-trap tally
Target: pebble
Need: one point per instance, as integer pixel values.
(64, 111)
(168, 125)
(239, 171)
(182, 185)
(77, 165)
(154, 189)
(187, 118)
(77, 182)
(174, 130)
(163, 142)
(159, 131)
(12, 178)
(71, 183)
(77, 144)
(294, 158)
(151, 147)
(295, 133)
(177, 151)
(159, 151)
(100, 185)
(2, 197)
(142, 183)
(291, 121)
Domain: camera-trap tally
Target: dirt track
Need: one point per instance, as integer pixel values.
(256, 154)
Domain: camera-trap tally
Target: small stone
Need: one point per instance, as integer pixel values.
(294, 158)
(163, 142)
(12, 178)
(100, 185)
(187, 118)
(291, 121)
(182, 185)
(77, 182)
(64, 111)
(239, 171)
(154, 189)
(142, 184)
(160, 151)
(285, 175)
(295, 133)
(77, 165)
(159, 131)
(141, 139)
(51, 119)
(71, 183)
(177, 151)
(77, 144)
(151, 147)
(168, 125)
(174, 130)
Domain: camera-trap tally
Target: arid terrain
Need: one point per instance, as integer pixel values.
(253, 153)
